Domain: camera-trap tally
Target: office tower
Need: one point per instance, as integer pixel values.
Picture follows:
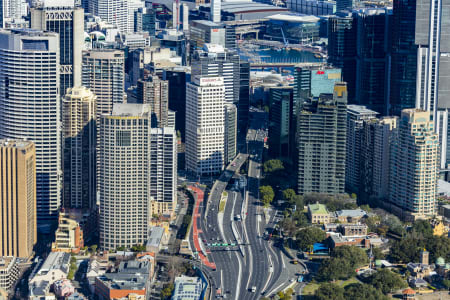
(68, 21)
(112, 11)
(103, 74)
(30, 107)
(124, 175)
(321, 144)
(281, 129)
(215, 10)
(145, 21)
(214, 61)
(18, 201)
(433, 65)
(357, 115)
(133, 7)
(311, 81)
(176, 41)
(344, 5)
(230, 132)
(403, 57)
(205, 98)
(203, 31)
(373, 58)
(414, 166)
(80, 134)
(163, 170)
(244, 96)
(375, 155)
(342, 41)
(175, 14)
(155, 92)
(177, 79)
(185, 21)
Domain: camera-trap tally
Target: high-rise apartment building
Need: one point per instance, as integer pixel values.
(375, 155)
(104, 74)
(124, 160)
(155, 92)
(244, 96)
(403, 57)
(30, 107)
(205, 98)
(432, 38)
(321, 143)
(230, 132)
(80, 134)
(12, 10)
(68, 21)
(163, 170)
(281, 122)
(203, 31)
(357, 115)
(18, 200)
(214, 61)
(414, 166)
(145, 21)
(112, 11)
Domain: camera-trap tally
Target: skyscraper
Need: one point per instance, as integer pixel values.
(205, 98)
(80, 134)
(414, 166)
(321, 144)
(357, 115)
(30, 107)
(163, 170)
(281, 118)
(213, 61)
(244, 96)
(344, 5)
(155, 92)
(103, 74)
(124, 175)
(145, 20)
(404, 57)
(67, 21)
(433, 64)
(215, 7)
(18, 201)
(112, 11)
(230, 132)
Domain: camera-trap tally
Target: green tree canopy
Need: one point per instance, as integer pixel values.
(358, 291)
(329, 291)
(356, 256)
(273, 165)
(422, 227)
(335, 269)
(267, 194)
(288, 194)
(308, 236)
(387, 281)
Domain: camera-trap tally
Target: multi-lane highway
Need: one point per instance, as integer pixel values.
(248, 265)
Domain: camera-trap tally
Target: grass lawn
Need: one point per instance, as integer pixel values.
(311, 287)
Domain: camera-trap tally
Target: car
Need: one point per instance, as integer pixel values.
(204, 240)
(253, 289)
(291, 280)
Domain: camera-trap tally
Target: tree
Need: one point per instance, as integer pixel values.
(273, 165)
(288, 226)
(307, 237)
(357, 291)
(365, 207)
(377, 253)
(394, 224)
(356, 256)
(446, 283)
(387, 281)
(299, 218)
(267, 194)
(289, 194)
(166, 292)
(335, 269)
(94, 248)
(422, 227)
(407, 249)
(329, 291)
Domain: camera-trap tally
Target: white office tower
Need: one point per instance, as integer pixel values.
(133, 7)
(185, 17)
(175, 14)
(216, 6)
(67, 20)
(80, 134)
(205, 98)
(124, 175)
(112, 11)
(163, 171)
(230, 132)
(30, 107)
(13, 9)
(103, 73)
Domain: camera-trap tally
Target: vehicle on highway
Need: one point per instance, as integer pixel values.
(294, 261)
(237, 217)
(253, 289)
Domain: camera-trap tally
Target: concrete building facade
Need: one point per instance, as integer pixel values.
(230, 132)
(205, 98)
(18, 201)
(80, 134)
(155, 92)
(30, 107)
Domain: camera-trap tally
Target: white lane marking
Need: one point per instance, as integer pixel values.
(238, 285)
(270, 274)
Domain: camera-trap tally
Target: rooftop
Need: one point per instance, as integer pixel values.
(297, 18)
(155, 238)
(10, 143)
(317, 208)
(249, 7)
(360, 109)
(130, 110)
(352, 213)
(131, 275)
(55, 261)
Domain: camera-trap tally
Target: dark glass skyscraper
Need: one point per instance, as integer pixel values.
(403, 57)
